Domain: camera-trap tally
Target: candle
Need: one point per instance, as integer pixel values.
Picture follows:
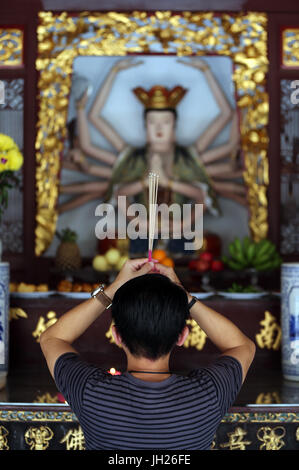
(113, 371)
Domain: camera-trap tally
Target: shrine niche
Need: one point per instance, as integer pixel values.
(249, 108)
(79, 92)
(155, 136)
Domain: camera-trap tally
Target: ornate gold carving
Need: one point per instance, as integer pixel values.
(270, 334)
(74, 439)
(271, 437)
(236, 440)
(268, 397)
(11, 46)
(261, 418)
(15, 313)
(290, 47)
(109, 335)
(62, 38)
(43, 324)
(38, 438)
(37, 416)
(196, 337)
(3, 438)
(46, 398)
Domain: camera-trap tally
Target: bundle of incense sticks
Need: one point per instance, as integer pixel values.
(153, 182)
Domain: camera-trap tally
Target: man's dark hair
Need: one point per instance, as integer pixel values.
(150, 312)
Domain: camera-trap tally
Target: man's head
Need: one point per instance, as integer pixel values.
(160, 128)
(150, 313)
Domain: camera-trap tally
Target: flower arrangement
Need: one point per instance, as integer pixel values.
(11, 160)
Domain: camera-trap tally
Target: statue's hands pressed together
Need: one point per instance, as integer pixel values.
(156, 166)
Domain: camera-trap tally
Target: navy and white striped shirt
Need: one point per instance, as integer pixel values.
(125, 412)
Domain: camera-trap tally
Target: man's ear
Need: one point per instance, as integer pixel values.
(116, 336)
(183, 336)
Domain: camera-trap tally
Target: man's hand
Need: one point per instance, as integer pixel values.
(132, 268)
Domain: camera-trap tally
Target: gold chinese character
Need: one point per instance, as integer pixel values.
(42, 324)
(271, 438)
(38, 438)
(110, 336)
(3, 438)
(213, 445)
(74, 439)
(269, 397)
(270, 335)
(16, 313)
(235, 440)
(297, 434)
(196, 336)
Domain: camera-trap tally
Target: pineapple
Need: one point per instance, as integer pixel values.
(68, 256)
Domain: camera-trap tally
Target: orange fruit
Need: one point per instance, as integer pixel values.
(159, 255)
(168, 262)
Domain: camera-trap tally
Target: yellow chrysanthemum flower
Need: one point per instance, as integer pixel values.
(15, 160)
(6, 143)
(10, 155)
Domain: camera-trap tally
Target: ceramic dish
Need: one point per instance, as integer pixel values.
(32, 295)
(202, 295)
(242, 295)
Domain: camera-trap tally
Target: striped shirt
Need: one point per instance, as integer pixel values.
(125, 412)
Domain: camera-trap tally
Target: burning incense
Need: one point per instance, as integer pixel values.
(153, 182)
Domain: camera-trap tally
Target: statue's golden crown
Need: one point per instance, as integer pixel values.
(159, 97)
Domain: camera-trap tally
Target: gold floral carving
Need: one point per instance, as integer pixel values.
(46, 398)
(62, 38)
(268, 398)
(11, 47)
(290, 47)
(270, 334)
(3, 438)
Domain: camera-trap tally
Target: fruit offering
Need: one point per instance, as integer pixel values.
(161, 256)
(205, 262)
(68, 286)
(25, 287)
(67, 254)
(247, 253)
(237, 288)
(112, 260)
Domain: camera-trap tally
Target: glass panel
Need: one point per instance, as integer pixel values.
(11, 47)
(11, 123)
(290, 47)
(289, 154)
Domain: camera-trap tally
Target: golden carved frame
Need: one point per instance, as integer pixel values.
(63, 37)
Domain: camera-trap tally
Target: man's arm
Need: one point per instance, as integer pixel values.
(226, 336)
(58, 338)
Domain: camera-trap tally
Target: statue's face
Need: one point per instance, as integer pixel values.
(160, 129)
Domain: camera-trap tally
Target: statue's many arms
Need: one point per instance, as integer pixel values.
(194, 173)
